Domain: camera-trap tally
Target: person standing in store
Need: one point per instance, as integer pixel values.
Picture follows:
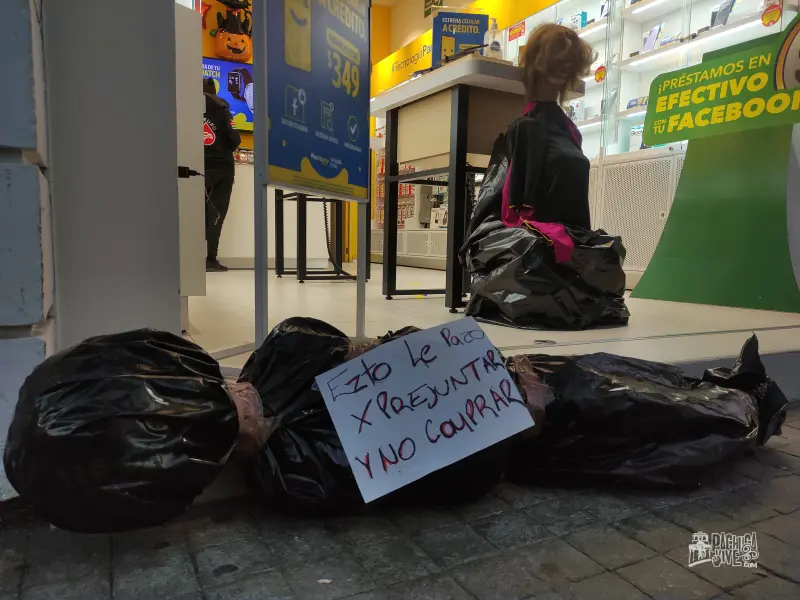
(220, 140)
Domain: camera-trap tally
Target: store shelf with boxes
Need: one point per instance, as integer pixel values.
(631, 186)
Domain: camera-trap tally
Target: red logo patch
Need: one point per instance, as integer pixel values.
(209, 137)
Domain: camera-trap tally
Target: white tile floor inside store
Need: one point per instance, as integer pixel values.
(662, 331)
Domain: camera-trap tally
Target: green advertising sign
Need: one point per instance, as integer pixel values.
(750, 89)
(429, 4)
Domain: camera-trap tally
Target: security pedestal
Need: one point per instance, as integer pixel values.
(336, 253)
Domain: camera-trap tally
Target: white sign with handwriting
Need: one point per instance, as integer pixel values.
(420, 403)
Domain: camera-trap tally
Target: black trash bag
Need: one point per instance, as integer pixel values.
(516, 280)
(750, 376)
(120, 432)
(612, 419)
(303, 468)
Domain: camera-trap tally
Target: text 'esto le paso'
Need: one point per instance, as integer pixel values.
(386, 405)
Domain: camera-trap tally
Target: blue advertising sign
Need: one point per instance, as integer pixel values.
(455, 32)
(234, 83)
(318, 95)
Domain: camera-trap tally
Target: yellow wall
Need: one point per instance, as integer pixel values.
(380, 33)
(379, 48)
(409, 20)
(398, 66)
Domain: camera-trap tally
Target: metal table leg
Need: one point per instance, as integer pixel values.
(280, 264)
(391, 207)
(456, 197)
(302, 229)
(361, 273)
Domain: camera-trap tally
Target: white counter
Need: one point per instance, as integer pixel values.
(477, 71)
(237, 243)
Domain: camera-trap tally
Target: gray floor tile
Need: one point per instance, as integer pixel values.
(556, 561)
(741, 507)
(655, 532)
(12, 566)
(614, 508)
(304, 541)
(69, 567)
(269, 585)
(694, 516)
(609, 547)
(770, 588)
(438, 587)
(154, 575)
(488, 506)
(662, 579)
(559, 518)
(94, 590)
(453, 545)
(759, 471)
(502, 577)
(395, 560)
(345, 575)
(218, 565)
(784, 527)
(776, 556)
(781, 494)
(510, 529)
(421, 520)
(521, 497)
(366, 529)
(156, 538)
(725, 577)
(608, 586)
(785, 462)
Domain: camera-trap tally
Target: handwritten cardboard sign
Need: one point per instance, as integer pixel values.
(420, 403)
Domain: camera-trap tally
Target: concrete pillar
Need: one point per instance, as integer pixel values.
(105, 159)
(114, 153)
(26, 259)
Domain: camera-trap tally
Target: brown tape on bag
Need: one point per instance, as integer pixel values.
(254, 428)
(537, 394)
(359, 348)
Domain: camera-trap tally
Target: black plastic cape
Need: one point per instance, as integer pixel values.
(516, 280)
(120, 432)
(616, 419)
(303, 468)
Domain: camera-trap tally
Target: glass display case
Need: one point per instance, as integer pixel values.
(637, 40)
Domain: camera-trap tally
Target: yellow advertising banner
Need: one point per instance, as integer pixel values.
(399, 66)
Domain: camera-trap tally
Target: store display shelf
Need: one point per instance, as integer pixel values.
(708, 41)
(589, 123)
(591, 82)
(648, 10)
(594, 32)
(637, 112)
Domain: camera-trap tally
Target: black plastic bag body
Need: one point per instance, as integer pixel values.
(303, 468)
(120, 432)
(516, 280)
(615, 419)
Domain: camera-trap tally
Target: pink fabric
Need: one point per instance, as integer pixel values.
(562, 243)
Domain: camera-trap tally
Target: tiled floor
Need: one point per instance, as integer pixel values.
(662, 331)
(516, 543)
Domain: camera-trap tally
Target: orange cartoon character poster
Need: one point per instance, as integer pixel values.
(227, 30)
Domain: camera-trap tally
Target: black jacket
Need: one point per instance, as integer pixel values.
(220, 139)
